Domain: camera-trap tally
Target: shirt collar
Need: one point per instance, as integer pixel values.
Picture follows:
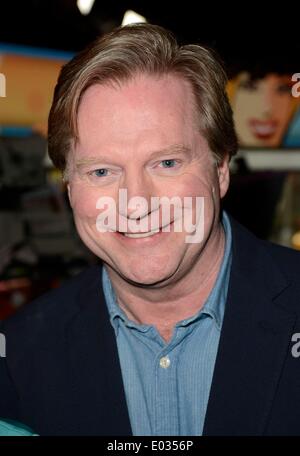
(215, 303)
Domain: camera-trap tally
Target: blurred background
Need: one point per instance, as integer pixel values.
(260, 46)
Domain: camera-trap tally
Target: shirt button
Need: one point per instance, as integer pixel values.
(164, 362)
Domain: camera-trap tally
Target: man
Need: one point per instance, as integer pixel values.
(181, 331)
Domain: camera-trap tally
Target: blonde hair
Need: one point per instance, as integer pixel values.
(136, 49)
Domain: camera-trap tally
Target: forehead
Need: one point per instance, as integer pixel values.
(139, 97)
(130, 119)
(141, 85)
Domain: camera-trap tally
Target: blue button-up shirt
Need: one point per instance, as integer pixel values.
(167, 384)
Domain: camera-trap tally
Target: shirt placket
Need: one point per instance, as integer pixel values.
(165, 400)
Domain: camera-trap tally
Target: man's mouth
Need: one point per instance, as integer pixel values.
(145, 234)
(141, 235)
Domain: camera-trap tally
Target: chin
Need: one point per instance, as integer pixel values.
(146, 274)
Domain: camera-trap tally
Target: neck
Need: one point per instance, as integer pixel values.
(180, 299)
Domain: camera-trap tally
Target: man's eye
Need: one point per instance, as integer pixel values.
(168, 163)
(101, 172)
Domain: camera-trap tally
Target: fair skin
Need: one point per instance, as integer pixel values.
(126, 132)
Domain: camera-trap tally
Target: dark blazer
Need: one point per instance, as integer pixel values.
(62, 376)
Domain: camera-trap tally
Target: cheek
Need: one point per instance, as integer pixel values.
(83, 202)
(197, 185)
(191, 190)
(284, 113)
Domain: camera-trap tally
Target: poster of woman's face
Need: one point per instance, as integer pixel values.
(265, 110)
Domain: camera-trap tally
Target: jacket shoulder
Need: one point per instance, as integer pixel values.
(287, 259)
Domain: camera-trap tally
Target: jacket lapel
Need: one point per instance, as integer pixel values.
(254, 342)
(97, 396)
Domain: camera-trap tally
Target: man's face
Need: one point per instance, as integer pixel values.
(142, 136)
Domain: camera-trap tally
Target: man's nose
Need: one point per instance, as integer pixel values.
(137, 190)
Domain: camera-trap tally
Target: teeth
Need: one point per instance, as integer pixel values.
(264, 130)
(140, 235)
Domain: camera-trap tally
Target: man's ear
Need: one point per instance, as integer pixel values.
(223, 175)
(66, 180)
(69, 193)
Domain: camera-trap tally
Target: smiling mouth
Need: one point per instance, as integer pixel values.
(263, 129)
(140, 235)
(145, 234)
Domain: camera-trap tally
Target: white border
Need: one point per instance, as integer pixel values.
(271, 159)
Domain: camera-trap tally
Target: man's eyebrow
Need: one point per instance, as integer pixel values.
(173, 149)
(92, 161)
